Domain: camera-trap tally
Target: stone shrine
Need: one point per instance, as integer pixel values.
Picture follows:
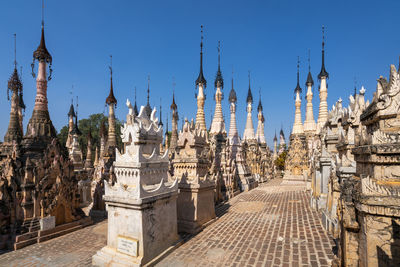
(141, 204)
(196, 190)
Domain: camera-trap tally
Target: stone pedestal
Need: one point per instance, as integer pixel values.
(195, 205)
(138, 230)
(325, 163)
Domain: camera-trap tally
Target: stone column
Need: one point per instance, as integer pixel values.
(309, 123)
(112, 139)
(323, 105)
(233, 132)
(249, 128)
(325, 162)
(298, 125)
(200, 118)
(218, 123)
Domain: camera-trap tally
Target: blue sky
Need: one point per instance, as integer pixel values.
(161, 39)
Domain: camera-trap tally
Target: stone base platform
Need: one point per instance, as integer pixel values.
(44, 235)
(289, 179)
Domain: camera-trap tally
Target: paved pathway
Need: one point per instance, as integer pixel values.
(272, 225)
(74, 249)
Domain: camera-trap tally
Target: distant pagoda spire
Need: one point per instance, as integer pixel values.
(232, 94)
(323, 90)
(260, 136)
(218, 123)
(147, 108)
(298, 125)
(249, 98)
(249, 128)
(233, 132)
(75, 129)
(160, 123)
(323, 73)
(135, 108)
(309, 122)
(71, 112)
(111, 100)
(166, 126)
(175, 118)
(200, 79)
(40, 124)
(219, 81)
(298, 88)
(41, 53)
(310, 81)
(260, 107)
(14, 131)
(201, 84)
(355, 87)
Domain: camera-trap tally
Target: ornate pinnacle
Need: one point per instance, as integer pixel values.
(219, 81)
(323, 73)
(200, 79)
(298, 88)
(111, 100)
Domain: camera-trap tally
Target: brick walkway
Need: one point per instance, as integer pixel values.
(271, 225)
(74, 249)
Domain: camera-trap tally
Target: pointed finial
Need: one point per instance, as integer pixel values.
(200, 79)
(160, 123)
(249, 78)
(201, 45)
(42, 13)
(148, 90)
(71, 93)
(111, 100)
(219, 81)
(135, 109)
(232, 76)
(135, 94)
(323, 73)
(310, 81)
(355, 87)
(259, 108)
(173, 85)
(298, 66)
(219, 54)
(15, 50)
(298, 88)
(76, 106)
(111, 71)
(249, 95)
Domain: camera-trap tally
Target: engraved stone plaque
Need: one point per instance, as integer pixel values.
(127, 245)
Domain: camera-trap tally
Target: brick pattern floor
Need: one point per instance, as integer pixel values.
(74, 249)
(272, 225)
